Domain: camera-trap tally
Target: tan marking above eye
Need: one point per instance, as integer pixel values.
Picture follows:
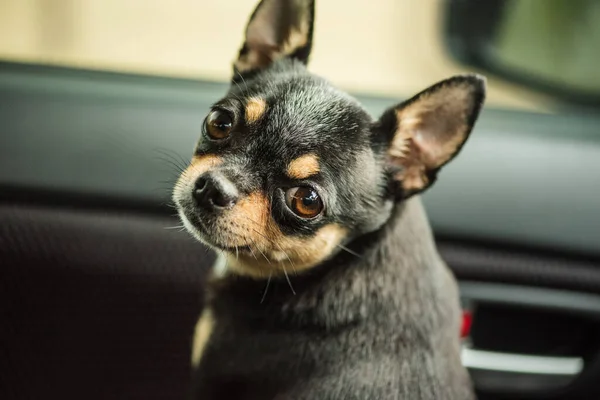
(255, 109)
(304, 167)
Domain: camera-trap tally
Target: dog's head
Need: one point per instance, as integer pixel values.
(288, 168)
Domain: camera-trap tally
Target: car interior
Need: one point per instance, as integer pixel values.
(101, 103)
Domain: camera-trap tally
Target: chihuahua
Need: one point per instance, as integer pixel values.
(328, 285)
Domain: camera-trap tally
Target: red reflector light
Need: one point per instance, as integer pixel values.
(467, 320)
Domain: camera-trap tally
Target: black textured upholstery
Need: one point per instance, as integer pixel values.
(96, 305)
(522, 267)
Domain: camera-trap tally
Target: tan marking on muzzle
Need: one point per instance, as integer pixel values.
(274, 253)
(198, 166)
(304, 167)
(203, 163)
(255, 109)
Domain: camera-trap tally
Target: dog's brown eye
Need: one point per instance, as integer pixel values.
(218, 124)
(304, 202)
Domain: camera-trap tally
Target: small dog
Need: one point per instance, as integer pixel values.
(329, 285)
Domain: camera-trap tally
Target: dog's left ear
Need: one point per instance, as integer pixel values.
(428, 130)
(277, 29)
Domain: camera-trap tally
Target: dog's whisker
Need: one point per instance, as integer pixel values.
(252, 252)
(171, 182)
(266, 288)
(349, 251)
(243, 80)
(263, 254)
(179, 227)
(170, 205)
(241, 91)
(173, 162)
(288, 257)
(171, 154)
(235, 96)
(287, 277)
(272, 242)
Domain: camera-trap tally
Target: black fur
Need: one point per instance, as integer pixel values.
(379, 318)
(382, 326)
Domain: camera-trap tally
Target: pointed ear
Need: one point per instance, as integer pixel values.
(428, 130)
(277, 29)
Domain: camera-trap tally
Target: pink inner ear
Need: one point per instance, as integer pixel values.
(437, 123)
(279, 28)
(413, 173)
(262, 30)
(263, 37)
(431, 129)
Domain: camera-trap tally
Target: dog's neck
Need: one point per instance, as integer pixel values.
(398, 267)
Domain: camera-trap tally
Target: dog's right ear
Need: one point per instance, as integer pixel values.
(277, 29)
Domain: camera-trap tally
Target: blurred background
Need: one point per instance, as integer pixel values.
(101, 102)
(392, 48)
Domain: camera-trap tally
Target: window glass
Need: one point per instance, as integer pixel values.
(382, 47)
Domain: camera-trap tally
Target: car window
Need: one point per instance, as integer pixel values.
(392, 48)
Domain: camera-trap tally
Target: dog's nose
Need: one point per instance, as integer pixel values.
(215, 192)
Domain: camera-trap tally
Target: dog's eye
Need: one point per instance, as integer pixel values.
(304, 202)
(218, 124)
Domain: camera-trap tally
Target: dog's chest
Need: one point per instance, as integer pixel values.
(245, 366)
(237, 362)
(243, 363)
